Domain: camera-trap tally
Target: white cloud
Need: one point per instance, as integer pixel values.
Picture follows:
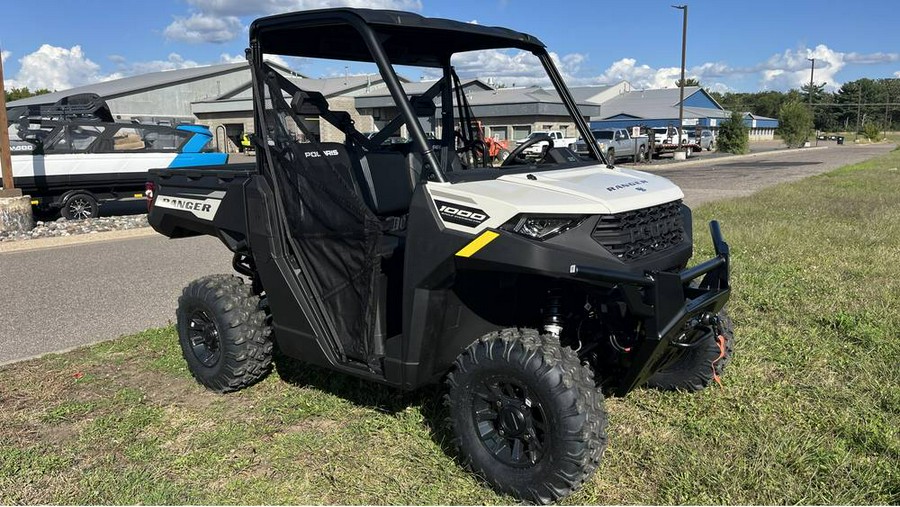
(203, 27)
(58, 68)
(644, 76)
(513, 67)
(226, 58)
(4, 55)
(897, 74)
(55, 68)
(790, 69)
(872, 58)
(218, 21)
(172, 62)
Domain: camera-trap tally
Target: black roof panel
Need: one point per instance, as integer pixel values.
(408, 39)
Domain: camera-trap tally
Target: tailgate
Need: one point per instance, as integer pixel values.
(193, 201)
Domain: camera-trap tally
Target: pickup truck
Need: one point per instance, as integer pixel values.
(615, 143)
(669, 140)
(535, 150)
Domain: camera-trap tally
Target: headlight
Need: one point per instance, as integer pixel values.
(541, 227)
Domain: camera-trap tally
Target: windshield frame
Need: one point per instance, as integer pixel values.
(374, 43)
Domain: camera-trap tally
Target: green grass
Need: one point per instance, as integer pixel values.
(809, 412)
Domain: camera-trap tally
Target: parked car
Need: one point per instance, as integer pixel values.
(614, 143)
(706, 140)
(536, 149)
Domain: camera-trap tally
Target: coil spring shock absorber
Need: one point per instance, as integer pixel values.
(553, 313)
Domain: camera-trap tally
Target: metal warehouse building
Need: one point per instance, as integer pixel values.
(659, 108)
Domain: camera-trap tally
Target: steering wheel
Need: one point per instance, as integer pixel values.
(516, 157)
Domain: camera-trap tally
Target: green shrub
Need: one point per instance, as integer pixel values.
(872, 132)
(795, 124)
(734, 136)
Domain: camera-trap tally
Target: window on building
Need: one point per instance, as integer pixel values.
(521, 132)
(499, 133)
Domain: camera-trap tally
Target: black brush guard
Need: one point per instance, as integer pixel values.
(666, 304)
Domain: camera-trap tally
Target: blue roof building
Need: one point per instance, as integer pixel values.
(659, 108)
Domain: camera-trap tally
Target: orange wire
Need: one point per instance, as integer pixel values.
(720, 341)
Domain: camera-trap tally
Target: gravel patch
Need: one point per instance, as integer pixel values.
(62, 227)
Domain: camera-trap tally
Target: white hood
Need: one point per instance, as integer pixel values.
(586, 190)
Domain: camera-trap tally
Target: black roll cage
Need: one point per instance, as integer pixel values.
(375, 27)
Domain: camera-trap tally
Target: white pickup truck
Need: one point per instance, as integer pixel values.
(615, 143)
(559, 141)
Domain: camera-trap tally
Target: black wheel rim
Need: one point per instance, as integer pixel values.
(80, 208)
(204, 337)
(510, 421)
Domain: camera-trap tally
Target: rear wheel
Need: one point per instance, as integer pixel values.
(79, 207)
(642, 154)
(526, 415)
(611, 156)
(699, 366)
(223, 333)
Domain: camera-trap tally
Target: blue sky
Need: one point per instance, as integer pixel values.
(732, 45)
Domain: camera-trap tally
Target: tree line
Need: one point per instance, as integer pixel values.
(863, 99)
(23, 93)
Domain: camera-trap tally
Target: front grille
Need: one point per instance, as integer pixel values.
(633, 235)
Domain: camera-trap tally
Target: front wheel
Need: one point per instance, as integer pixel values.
(611, 156)
(526, 415)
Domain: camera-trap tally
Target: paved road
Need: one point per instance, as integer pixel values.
(57, 298)
(713, 179)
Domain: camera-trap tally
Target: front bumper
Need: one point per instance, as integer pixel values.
(667, 305)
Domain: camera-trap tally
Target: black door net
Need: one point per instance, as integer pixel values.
(330, 226)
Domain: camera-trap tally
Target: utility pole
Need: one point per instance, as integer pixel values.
(812, 71)
(858, 111)
(9, 189)
(684, 8)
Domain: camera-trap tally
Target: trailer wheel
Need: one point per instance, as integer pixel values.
(698, 366)
(526, 415)
(223, 333)
(79, 207)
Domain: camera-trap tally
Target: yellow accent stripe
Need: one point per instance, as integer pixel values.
(139, 195)
(35, 202)
(477, 244)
